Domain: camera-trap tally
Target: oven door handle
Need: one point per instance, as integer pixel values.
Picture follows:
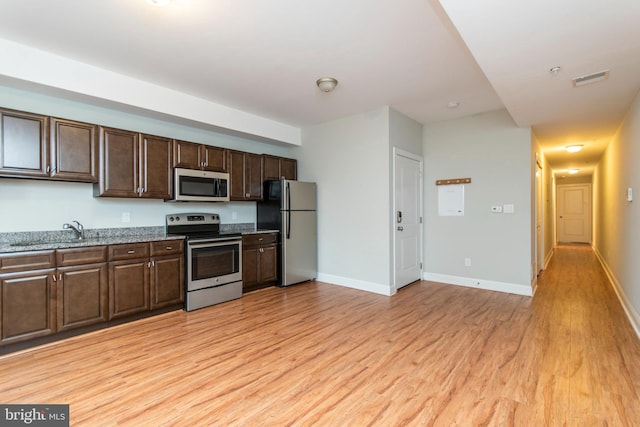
(214, 242)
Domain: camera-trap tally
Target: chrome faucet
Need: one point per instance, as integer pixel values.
(78, 229)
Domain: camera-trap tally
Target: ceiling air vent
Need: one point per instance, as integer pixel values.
(591, 78)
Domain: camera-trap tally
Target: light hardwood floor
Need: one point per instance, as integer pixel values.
(317, 354)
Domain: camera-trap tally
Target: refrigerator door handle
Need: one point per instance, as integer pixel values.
(288, 211)
(288, 219)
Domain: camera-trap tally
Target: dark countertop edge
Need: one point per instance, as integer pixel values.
(260, 231)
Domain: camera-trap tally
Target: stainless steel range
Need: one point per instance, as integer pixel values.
(213, 259)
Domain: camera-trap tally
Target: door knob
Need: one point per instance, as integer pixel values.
(400, 228)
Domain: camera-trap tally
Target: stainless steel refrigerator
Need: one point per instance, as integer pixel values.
(290, 207)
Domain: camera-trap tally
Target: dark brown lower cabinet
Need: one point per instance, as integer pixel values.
(259, 260)
(50, 291)
(28, 305)
(128, 287)
(167, 281)
(82, 296)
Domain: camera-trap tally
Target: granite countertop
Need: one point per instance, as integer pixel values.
(49, 240)
(60, 239)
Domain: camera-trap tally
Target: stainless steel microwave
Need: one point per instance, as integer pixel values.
(192, 185)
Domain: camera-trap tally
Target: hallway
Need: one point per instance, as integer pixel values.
(582, 346)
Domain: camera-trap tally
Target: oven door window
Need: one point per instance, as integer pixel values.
(214, 261)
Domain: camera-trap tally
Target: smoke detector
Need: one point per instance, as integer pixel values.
(591, 78)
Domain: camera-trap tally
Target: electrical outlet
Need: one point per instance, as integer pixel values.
(126, 217)
(467, 262)
(496, 209)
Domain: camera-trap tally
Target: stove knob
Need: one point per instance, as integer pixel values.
(177, 218)
(170, 219)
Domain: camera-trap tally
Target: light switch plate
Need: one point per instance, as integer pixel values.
(629, 194)
(496, 209)
(508, 208)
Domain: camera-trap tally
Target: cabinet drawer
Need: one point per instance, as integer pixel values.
(20, 261)
(258, 239)
(166, 247)
(128, 251)
(77, 256)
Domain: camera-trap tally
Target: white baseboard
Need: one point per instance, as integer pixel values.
(489, 285)
(547, 259)
(632, 314)
(362, 285)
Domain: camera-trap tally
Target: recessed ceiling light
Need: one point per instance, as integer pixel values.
(573, 148)
(574, 171)
(554, 70)
(159, 2)
(453, 104)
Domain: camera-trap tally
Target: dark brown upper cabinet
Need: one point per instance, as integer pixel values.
(275, 168)
(190, 155)
(67, 151)
(74, 151)
(23, 145)
(134, 165)
(245, 174)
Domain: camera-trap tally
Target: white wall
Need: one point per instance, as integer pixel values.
(32, 205)
(349, 159)
(496, 154)
(617, 221)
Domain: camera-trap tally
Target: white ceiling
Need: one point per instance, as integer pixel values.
(264, 57)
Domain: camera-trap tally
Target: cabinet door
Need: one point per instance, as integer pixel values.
(250, 269)
(128, 287)
(118, 163)
(235, 166)
(215, 158)
(253, 177)
(27, 301)
(268, 264)
(23, 144)
(156, 161)
(82, 296)
(74, 151)
(167, 281)
(270, 167)
(186, 155)
(289, 168)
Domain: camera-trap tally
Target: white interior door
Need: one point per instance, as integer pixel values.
(574, 213)
(407, 221)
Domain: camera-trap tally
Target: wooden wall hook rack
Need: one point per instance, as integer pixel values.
(453, 181)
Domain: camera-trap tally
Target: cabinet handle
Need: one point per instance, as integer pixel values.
(53, 276)
(169, 248)
(131, 252)
(48, 168)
